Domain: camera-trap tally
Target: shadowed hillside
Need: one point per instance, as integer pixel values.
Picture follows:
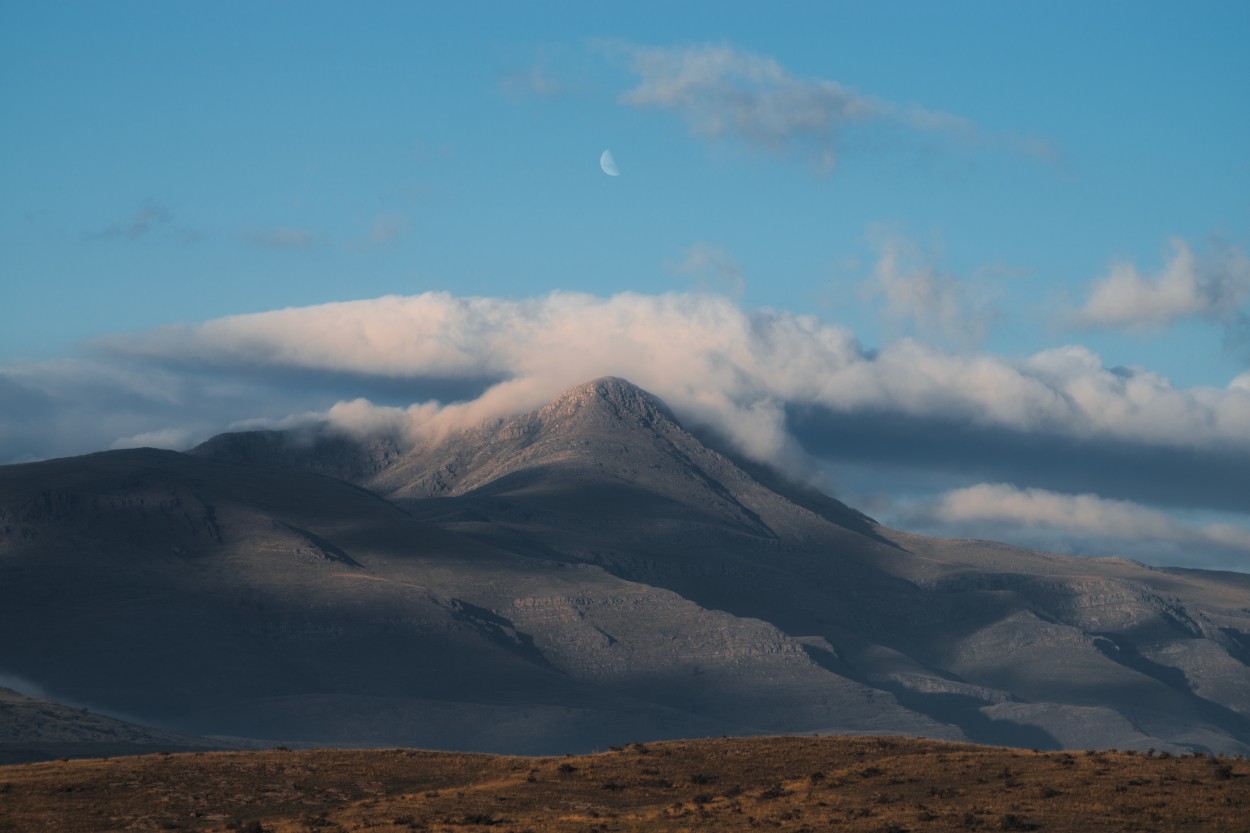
(584, 575)
(33, 729)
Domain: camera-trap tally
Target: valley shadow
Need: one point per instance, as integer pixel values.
(965, 712)
(953, 709)
(1240, 648)
(501, 631)
(1121, 650)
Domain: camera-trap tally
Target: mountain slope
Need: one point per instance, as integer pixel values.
(253, 601)
(1010, 645)
(587, 574)
(34, 729)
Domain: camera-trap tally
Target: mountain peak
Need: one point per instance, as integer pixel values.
(607, 398)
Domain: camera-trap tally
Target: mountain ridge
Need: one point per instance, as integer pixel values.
(586, 573)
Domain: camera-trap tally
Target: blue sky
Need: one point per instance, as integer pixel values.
(979, 184)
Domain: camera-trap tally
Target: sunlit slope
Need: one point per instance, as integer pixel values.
(865, 785)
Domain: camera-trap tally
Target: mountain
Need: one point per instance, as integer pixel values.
(588, 574)
(35, 729)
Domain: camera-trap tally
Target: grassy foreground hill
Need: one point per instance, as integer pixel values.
(791, 784)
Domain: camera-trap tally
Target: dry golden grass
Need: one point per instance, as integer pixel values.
(791, 784)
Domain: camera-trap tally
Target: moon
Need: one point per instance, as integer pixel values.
(609, 164)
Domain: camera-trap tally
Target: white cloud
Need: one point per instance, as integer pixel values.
(1001, 505)
(722, 92)
(1213, 286)
(711, 360)
(176, 438)
(756, 376)
(1086, 514)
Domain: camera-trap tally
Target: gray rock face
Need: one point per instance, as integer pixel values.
(590, 573)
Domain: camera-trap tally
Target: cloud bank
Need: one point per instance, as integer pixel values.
(722, 365)
(1086, 513)
(782, 388)
(1002, 505)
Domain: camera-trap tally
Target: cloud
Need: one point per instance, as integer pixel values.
(712, 268)
(537, 80)
(176, 438)
(146, 219)
(724, 92)
(283, 238)
(925, 301)
(711, 358)
(386, 229)
(780, 388)
(1212, 284)
(1002, 507)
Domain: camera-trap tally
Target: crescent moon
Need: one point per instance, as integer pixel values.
(608, 164)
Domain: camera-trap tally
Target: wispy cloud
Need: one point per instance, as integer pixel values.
(724, 92)
(1211, 284)
(386, 229)
(712, 268)
(283, 238)
(151, 216)
(536, 80)
(921, 299)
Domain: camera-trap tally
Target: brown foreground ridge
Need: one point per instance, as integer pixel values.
(788, 783)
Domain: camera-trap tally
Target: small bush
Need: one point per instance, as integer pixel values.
(775, 791)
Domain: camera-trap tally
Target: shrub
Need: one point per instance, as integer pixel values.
(775, 791)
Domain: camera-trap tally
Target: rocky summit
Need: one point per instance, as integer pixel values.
(588, 574)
